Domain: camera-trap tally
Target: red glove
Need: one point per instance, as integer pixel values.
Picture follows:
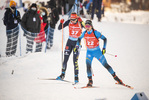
(62, 21)
(79, 19)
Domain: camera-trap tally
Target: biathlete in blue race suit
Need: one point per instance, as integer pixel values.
(93, 50)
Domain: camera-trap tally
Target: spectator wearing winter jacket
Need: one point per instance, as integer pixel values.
(11, 20)
(31, 20)
(54, 17)
(41, 36)
(31, 24)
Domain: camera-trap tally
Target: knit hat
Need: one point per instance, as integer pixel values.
(73, 16)
(12, 3)
(33, 5)
(88, 22)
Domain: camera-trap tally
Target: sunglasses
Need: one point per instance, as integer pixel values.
(72, 19)
(87, 26)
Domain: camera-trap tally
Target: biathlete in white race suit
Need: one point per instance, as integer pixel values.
(75, 25)
(92, 37)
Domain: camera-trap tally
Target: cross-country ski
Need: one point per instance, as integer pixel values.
(55, 79)
(83, 87)
(125, 85)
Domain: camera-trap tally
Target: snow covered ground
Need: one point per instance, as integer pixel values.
(134, 17)
(126, 40)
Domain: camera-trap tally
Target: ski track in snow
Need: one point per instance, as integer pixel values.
(128, 41)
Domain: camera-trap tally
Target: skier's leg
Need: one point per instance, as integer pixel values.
(67, 52)
(76, 67)
(103, 61)
(89, 59)
(109, 68)
(100, 57)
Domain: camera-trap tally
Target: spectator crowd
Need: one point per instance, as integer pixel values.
(39, 21)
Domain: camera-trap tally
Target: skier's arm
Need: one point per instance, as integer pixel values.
(81, 22)
(78, 44)
(105, 41)
(99, 35)
(64, 25)
(79, 39)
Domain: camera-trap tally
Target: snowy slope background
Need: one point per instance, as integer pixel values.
(128, 40)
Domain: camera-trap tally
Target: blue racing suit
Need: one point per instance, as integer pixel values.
(95, 52)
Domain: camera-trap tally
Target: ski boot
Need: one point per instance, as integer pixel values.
(90, 83)
(76, 80)
(61, 77)
(117, 79)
